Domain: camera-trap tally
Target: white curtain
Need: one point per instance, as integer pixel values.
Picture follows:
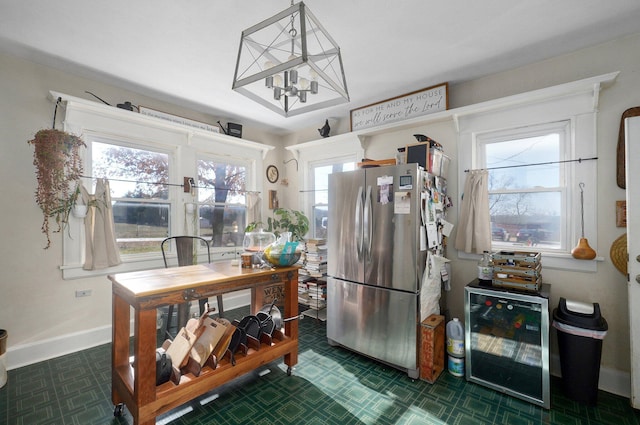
(474, 223)
(101, 249)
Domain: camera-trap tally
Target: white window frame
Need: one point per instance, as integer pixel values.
(342, 148)
(575, 103)
(312, 181)
(172, 198)
(87, 118)
(563, 128)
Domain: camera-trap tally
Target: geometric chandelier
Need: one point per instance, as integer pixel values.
(290, 64)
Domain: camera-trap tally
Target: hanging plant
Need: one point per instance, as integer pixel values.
(58, 165)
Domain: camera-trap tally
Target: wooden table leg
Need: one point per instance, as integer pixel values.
(120, 341)
(291, 310)
(144, 364)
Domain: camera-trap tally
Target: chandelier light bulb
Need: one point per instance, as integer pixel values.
(277, 80)
(304, 83)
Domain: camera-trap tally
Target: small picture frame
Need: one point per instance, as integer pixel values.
(273, 199)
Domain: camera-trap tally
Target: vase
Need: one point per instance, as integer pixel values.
(283, 252)
(257, 241)
(79, 211)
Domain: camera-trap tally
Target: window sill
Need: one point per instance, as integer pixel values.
(75, 271)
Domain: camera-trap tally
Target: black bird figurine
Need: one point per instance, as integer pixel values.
(324, 131)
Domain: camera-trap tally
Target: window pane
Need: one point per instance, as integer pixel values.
(221, 195)
(321, 195)
(321, 179)
(532, 150)
(221, 183)
(320, 217)
(121, 163)
(222, 224)
(526, 201)
(527, 218)
(140, 227)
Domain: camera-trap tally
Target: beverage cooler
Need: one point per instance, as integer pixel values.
(507, 341)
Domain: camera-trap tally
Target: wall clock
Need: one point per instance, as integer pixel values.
(272, 173)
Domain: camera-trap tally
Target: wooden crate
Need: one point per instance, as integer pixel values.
(432, 358)
(517, 270)
(526, 283)
(516, 258)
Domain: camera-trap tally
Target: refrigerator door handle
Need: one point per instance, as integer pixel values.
(358, 223)
(368, 223)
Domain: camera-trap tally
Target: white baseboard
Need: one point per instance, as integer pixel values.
(34, 352)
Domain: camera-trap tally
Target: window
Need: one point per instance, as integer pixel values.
(147, 160)
(318, 159)
(222, 212)
(541, 203)
(528, 203)
(320, 194)
(139, 193)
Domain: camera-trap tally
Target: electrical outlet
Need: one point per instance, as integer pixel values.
(83, 293)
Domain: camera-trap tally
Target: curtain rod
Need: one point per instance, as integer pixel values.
(537, 163)
(168, 184)
(313, 190)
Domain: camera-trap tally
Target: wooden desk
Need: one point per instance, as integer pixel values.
(134, 383)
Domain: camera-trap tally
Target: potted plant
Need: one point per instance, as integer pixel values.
(284, 220)
(58, 165)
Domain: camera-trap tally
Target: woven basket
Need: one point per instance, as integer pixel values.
(618, 254)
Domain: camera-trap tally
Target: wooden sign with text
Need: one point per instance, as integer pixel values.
(411, 105)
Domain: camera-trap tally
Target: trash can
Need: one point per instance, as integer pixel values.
(581, 329)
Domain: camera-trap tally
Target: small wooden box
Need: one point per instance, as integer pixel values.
(432, 358)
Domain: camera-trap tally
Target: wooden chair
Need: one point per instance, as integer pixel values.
(186, 248)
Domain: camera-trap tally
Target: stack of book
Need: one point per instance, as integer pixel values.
(312, 293)
(303, 289)
(317, 291)
(315, 258)
(312, 286)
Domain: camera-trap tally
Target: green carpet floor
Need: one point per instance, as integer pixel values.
(328, 386)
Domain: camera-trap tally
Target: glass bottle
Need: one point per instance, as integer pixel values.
(485, 269)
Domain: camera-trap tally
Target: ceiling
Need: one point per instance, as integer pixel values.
(184, 52)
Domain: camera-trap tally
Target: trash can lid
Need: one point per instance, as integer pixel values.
(578, 314)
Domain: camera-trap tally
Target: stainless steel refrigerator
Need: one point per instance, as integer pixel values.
(376, 259)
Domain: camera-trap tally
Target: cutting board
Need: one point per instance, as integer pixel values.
(209, 333)
(221, 347)
(180, 347)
